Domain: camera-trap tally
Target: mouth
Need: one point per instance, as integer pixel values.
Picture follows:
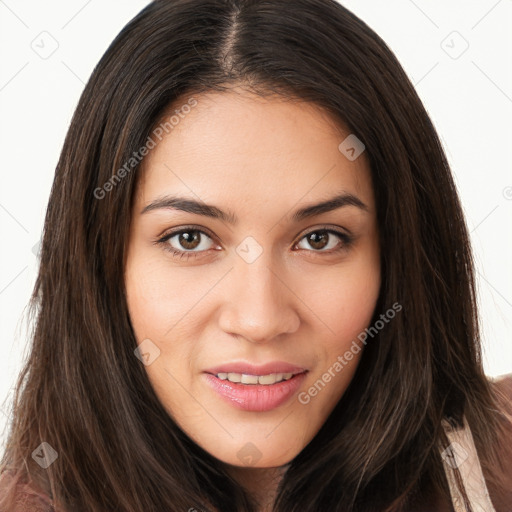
(256, 388)
(264, 380)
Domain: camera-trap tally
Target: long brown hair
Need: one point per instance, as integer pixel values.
(84, 392)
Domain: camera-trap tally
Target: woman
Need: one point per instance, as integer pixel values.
(256, 288)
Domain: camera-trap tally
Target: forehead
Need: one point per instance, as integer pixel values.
(239, 148)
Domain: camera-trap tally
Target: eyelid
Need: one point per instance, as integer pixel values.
(323, 227)
(190, 227)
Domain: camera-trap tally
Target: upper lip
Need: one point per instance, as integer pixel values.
(252, 369)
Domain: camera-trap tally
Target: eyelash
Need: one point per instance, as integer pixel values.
(346, 241)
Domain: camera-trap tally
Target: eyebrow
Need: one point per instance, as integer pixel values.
(200, 208)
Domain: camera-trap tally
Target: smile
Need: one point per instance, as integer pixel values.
(256, 393)
(244, 378)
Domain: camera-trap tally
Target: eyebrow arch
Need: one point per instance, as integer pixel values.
(200, 208)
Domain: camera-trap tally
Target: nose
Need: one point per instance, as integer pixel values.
(258, 305)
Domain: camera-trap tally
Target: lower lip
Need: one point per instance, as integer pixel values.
(256, 397)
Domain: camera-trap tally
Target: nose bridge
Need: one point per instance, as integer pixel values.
(258, 305)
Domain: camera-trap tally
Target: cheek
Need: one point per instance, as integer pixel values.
(160, 300)
(166, 306)
(349, 308)
(150, 299)
(347, 301)
(344, 300)
(161, 296)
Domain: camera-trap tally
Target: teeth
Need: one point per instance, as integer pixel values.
(243, 378)
(248, 379)
(267, 379)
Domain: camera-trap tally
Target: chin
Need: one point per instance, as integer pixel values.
(254, 455)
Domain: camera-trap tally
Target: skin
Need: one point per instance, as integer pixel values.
(261, 159)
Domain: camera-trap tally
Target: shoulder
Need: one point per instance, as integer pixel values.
(502, 386)
(25, 497)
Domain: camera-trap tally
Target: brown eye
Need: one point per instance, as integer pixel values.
(318, 240)
(187, 240)
(324, 240)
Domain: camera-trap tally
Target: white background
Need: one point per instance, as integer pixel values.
(467, 92)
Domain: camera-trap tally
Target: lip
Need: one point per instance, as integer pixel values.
(256, 397)
(251, 369)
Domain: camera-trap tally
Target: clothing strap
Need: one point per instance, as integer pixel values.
(462, 466)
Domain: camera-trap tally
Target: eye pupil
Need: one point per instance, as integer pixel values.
(187, 241)
(315, 237)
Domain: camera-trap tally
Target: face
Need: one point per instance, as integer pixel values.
(244, 298)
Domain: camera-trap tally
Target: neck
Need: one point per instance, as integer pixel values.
(260, 483)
